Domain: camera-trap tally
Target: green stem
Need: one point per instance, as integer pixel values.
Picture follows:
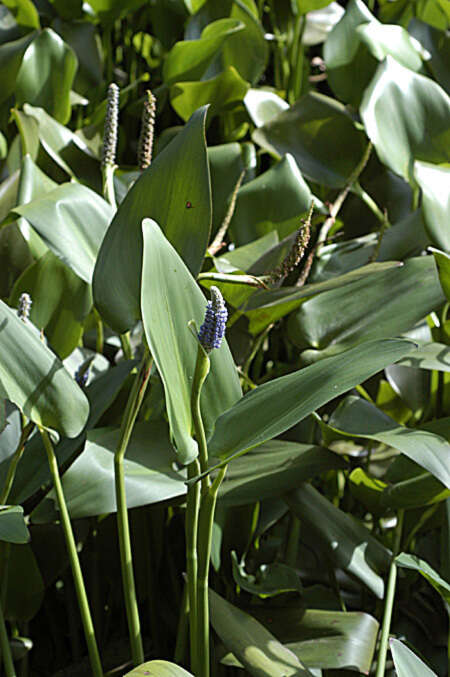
(12, 469)
(192, 510)
(126, 345)
(100, 334)
(201, 372)
(5, 647)
(83, 603)
(205, 527)
(123, 528)
(108, 184)
(389, 599)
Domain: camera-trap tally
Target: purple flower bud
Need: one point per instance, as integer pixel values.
(212, 330)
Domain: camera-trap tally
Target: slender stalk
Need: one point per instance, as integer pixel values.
(83, 603)
(126, 345)
(205, 527)
(123, 528)
(99, 329)
(5, 647)
(389, 599)
(15, 462)
(201, 372)
(192, 511)
(217, 244)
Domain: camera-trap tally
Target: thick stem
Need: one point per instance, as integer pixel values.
(83, 603)
(123, 528)
(192, 510)
(14, 463)
(389, 600)
(5, 648)
(108, 184)
(205, 527)
(126, 345)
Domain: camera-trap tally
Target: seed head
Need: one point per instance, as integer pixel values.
(296, 252)
(24, 307)
(111, 126)
(212, 330)
(145, 143)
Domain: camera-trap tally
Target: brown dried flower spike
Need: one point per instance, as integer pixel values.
(296, 252)
(145, 143)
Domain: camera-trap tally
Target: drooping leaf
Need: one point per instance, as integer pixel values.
(11, 55)
(344, 540)
(407, 664)
(159, 669)
(175, 191)
(12, 525)
(254, 646)
(358, 418)
(320, 134)
(274, 407)
(46, 75)
(406, 117)
(268, 581)
(72, 221)
(35, 380)
(170, 300)
(408, 561)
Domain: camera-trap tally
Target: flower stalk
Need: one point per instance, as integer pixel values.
(109, 147)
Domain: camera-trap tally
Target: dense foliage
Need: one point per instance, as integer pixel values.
(275, 502)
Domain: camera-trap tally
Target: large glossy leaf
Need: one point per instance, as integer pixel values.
(175, 191)
(24, 12)
(320, 134)
(35, 380)
(406, 117)
(272, 469)
(418, 491)
(12, 525)
(443, 265)
(246, 51)
(226, 165)
(82, 36)
(46, 75)
(263, 105)
(324, 639)
(274, 407)
(188, 60)
(89, 483)
(256, 648)
(61, 302)
(355, 47)
(11, 54)
(358, 418)
(159, 669)
(170, 300)
(429, 356)
(223, 93)
(72, 220)
(407, 664)
(275, 200)
(25, 586)
(367, 309)
(344, 540)
(435, 184)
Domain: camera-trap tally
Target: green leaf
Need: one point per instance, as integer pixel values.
(83, 38)
(159, 669)
(419, 491)
(189, 59)
(223, 93)
(275, 200)
(366, 309)
(254, 646)
(226, 165)
(72, 220)
(61, 302)
(322, 639)
(407, 664)
(89, 482)
(320, 134)
(368, 490)
(12, 525)
(406, 117)
(269, 579)
(175, 191)
(46, 75)
(428, 356)
(344, 540)
(263, 105)
(247, 51)
(24, 12)
(11, 54)
(435, 184)
(355, 47)
(170, 300)
(35, 380)
(408, 561)
(443, 265)
(273, 468)
(25, 586)
(274, 407)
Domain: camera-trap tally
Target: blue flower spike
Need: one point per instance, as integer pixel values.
(212, 330)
